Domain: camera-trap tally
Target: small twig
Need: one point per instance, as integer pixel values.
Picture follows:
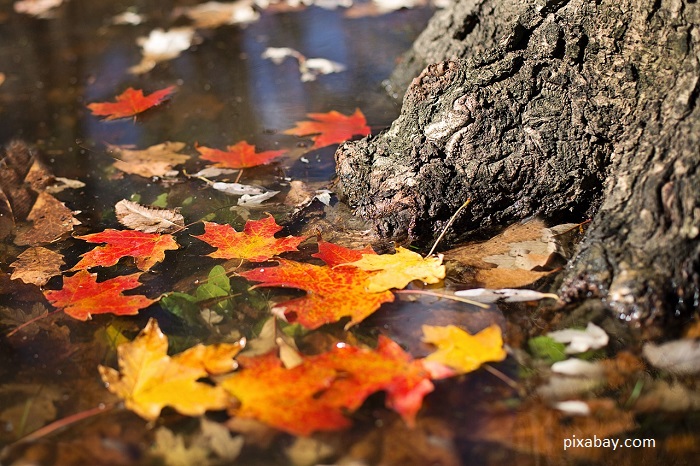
(449, 224)
(31, 321)
(507, 380)
(66, 421)
(446, 296)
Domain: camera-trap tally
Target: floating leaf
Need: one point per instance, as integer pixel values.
(157, 160)
(129, 103)
(81, 296)
(462, 351)
(148, 219)
(333, 293)
(214, 14)
(149, 380)
(51, 221)
(679, 357)
(331, 128)
(580, 341)
(255, 243)
(398, 270)
(507, 295)
(334, 255)
(309, 68)
(240, 155)
(147, 248)
(37, 265)
(161, 46)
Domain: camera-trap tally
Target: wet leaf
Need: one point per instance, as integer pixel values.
(147, 248)
(462, 351)
(37, 265)
(256, 199)
(148, 379)
(332, 293)
(255, 243)
(173, 451)
(239, 155)
(309, 68)
(398, 270)
(331, 128)
(51, 221)
(211, 15)
(285, 398)
(677, 356)
(237, 189)
(157, 160)
(334, 255)
(148, 219)
(161, 46)
(38, 8)
(130, 103)
(507, 295)
(81, 296)
(580, 341)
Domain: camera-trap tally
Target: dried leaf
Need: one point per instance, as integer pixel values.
(239, 155)
(130, 103)
(257, 199)
(37, 265)
(580, 341)
(81, 296)
(398, 270)
(172, 449)
(237, 189)
(38, 8)
(331, 128)
(157, 160)
(61, 184)
(462, 351)
(679, 357)
(507, 295)
(161, 46)
(148, 219)
(51, 221)
(211, 15)
(147, 248)
(255, 243)
(309, 68)
(149, 379)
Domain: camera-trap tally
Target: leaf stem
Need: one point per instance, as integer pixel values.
(442, 295)
(66, 421)
(31, 321)
(449, 224)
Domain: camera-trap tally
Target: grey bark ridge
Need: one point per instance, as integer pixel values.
(564, 109)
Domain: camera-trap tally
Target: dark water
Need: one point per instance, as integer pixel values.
(227, 93)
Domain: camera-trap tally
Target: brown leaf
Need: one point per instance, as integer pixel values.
(157, 160)
(148, 219)
(16, 195)
(51, 220)
(37, 265)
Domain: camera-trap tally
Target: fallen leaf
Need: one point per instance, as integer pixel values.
(332, 293)
(334, 255)
(580, 341)
(148, 379)
(212, 172)
(255, 199)
(399, 269)
(679, 357)
(216, 437)
(130, 103)
(61, 184)
(38, 8)
(157, 160)
(128, 17)
(81, 296)
(237, 189)
(331, 128)
(37, 265)
(147, 248)
(211, 15)
(173, 451)
(51, 221)
(255, 243)
(284, 398)
(16, 194)
(462, 351)
(239, 155)
(161, 46)
(507, 295)
(309, 68)
(148, 219)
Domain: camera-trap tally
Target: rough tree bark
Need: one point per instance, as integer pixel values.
(559, 108)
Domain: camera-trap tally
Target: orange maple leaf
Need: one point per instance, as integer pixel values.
(255, 243)
(284, 398)
(240, 155)
(331, 128)
(332, 292)
(147, 248)
(334, 255)
(129, 103)
(81, 296)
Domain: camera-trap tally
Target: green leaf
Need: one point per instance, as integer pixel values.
(218, 277)
(182, 305)
(543, 347)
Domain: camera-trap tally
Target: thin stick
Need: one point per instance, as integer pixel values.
(31, 321)
(449, 224)
(446, 296)
(507, 380)
(66, 421)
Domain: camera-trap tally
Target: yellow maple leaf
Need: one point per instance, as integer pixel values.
(150, 379)
(462, 351)
(398, 270)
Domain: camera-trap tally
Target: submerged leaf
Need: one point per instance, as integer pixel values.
(157, 160)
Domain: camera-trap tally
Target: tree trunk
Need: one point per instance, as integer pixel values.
(563, 108)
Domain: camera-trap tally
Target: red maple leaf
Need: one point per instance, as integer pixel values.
(81, 296)
(147, 248)
(255, 243)
(331, 128)
(240, 155)
(129, 103)
(332, 292)
(284, 398)
(335, 255)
